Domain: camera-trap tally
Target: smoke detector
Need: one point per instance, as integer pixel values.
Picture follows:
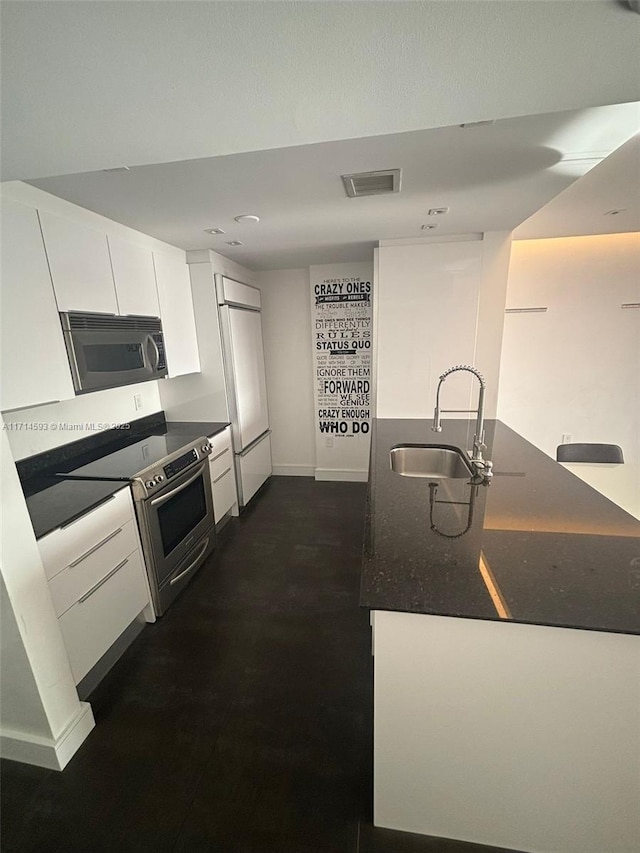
(372, 183)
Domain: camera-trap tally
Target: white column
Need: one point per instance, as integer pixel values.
(42, 720)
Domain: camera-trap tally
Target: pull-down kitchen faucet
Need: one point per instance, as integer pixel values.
(478, 438)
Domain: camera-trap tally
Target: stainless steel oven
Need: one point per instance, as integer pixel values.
(174, 505)
(106, 351)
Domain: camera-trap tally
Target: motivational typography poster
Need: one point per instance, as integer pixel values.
(341, 323)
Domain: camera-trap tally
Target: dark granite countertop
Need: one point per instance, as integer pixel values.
(553, 550)
(62, 501)
(53, 502)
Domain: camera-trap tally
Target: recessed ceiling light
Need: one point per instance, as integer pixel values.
(214, 231)
(247, 217)
(118, 169)
(616, 211)
(234, 243)
(428, 227)
(438, 211)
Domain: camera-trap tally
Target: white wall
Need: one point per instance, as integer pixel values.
(412, 313)
(575, 369)
(202, 396)
(438, 304)
(286, 328)
(42, 428)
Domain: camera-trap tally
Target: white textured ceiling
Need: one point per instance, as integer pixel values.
(490, 177)
(93, 85)
(585, 207)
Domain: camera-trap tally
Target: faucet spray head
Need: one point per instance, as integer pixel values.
(469, 368)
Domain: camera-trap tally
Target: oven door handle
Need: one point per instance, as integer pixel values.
(164, 498)
(204, 547)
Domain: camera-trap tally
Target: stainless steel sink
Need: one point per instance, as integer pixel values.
(436, 461)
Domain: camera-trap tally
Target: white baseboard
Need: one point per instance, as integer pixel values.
(294, 470)
(52, 753)
(346, 475)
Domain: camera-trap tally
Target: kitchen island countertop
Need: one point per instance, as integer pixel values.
(536, 546)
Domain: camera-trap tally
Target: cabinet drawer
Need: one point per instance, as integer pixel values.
(219, 442)
(224, 492)
(64, 546)
(254, 469)
(219, 462)
(75, 580)
(92, 625)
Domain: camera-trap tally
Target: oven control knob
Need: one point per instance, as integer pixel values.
(159, 478)
(206, 447)
(150, 484)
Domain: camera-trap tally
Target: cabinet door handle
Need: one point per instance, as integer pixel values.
(95, 548)
(224, 473)
(84, 514)
(103, 581)
(218, 455)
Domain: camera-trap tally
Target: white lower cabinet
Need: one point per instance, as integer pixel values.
(223, 475)
(254, 469)
(79, 578)
(97, 579)
(98, 618)
(85, 538)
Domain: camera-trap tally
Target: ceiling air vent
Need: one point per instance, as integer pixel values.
(372, 183)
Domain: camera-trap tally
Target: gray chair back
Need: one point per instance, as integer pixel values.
(589, 453)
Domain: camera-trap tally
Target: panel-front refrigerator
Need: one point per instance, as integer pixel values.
(243, 353)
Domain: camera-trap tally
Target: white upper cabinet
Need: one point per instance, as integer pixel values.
(134, 277)
(80, 265)
(176, 311)
(33, 360)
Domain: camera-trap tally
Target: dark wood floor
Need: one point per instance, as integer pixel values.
(241, 722)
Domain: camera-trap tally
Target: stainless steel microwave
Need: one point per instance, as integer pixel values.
(106, 351)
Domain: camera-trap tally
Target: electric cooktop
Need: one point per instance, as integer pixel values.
(126, 463)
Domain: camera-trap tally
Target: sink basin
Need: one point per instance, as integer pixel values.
(436, 461)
